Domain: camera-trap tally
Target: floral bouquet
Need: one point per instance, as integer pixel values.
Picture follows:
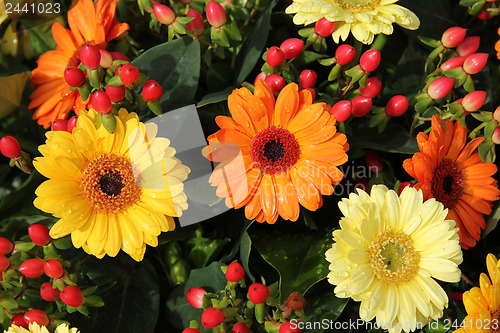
(240, 166)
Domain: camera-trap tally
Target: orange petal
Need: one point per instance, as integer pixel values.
(286, 105)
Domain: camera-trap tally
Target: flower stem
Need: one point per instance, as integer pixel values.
(379, 42)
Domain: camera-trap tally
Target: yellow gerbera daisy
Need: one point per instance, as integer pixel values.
(111, 191)
(364, 18)
(387, 253)
(483, 304)
(35, 328)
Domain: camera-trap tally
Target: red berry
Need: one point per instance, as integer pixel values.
(440, 88)
(164, 14)
(397, 106)
(275, 56)
(362, 184)
(324, 28)
(289, 327)
(106, 59)
(484, 15)
(39, 234)
(275, 82)
(495, 138)
(18, 320)
(296, 301)
(32, 268)
(312, 91)
(453, 36)
(74, 76)
(496, 114)
(115, 94)
(90, 56)
(235, 272)
(342, 110)
(6, 246)
(370, 60)
(260, 76)
(403, 185)
(152, 91)
(468, 46)
(48, 293)
(240, 327)
(129, 74)
(4, 263)
(307, 79)
(60, 125)
(344, 54)
(258, 293)
(212, 317)
(452, 63)
(374, 162)
(72, 296)
(372, 88)
(473, 100)
(216, 15)
(53, 268)
(119, 56)
(196, 26)
(475, 63)
(361, 105)
(195, 297)
(101, 102)
(36, 316)
(191, 330)
(292, 47)
(9, 147)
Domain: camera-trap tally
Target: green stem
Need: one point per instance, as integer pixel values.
(379, 42)
(476, 130)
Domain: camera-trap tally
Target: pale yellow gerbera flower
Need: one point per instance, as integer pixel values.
(364, 18)
(35, 328)
(387, 253)
(111, 191)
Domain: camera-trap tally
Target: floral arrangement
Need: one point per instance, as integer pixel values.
(240, 166)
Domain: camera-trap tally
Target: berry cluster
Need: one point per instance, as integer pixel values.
(31, 270)
(225, 311)
(484, 10)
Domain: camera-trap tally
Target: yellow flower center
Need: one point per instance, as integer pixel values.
(108, 184)
(357, 6)
(393, 257)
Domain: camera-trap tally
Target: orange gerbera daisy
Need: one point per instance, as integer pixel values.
(497, 45)
(89, 24)
(483, 304)
(454, 174)
(276, 154)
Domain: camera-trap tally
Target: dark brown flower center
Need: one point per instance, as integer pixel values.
(111, 183)
(447, 183)
(274, 150)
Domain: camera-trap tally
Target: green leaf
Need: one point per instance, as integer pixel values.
(216, 97)
(176, 66)
(298, 258)
(492, 220)
(22, 196)
(245, 248)
(179, 312)
(203, 250)
(428, 41)
(487, 151)
(482, 116)
(325, 305)
(40, 37)
(307, 57)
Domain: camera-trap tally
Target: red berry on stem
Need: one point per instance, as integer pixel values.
(191, 330)
(372, 88)
(9, 147)
(6, 246)
(468, 46)
(452, 63)
(106, 59)
(258, 293)
(361, 105)
(53, 268)
(115, 94)
(440, 88)
(342, 110)
(484, 15)
(90, 56)
(36, 316)
(216, 15)
(344, 54)
(374, 162)
(260, 76)
(397, 106)
(195, 297)
(235, 272)
(72, 296)
(475, 63)
(48, 293)
(307, 79)
(473, 100)
(324, 28)
(289, 327)
(370, 60)
(74, 76)
(18, 320)
(72, 123)
(152, 91)
(453, 36)
(495, 138)
(32, 268)
(101, 102)
(4, 263)
(292, 47)
(60, 125)
(196, 26)
(496, 114)
(296, 301)
(164, 14)
(129, 74)
(275, 82)
(39, 234)
(275, 56)
(403, 185)
(119, 56)
(212, 317)
(240, 327)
